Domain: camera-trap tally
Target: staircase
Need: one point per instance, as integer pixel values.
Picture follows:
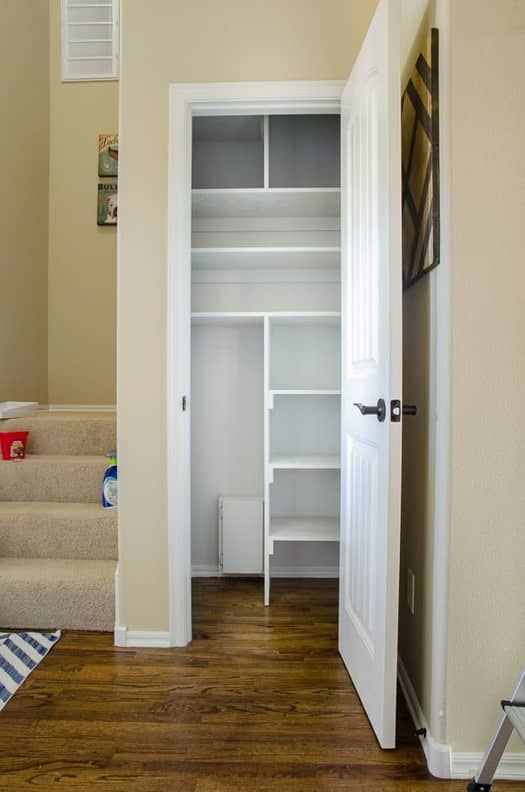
(58, 546)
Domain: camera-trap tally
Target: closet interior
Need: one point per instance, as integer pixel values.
(265, 392)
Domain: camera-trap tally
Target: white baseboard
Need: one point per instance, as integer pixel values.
(102, 408)
(511, 767)
(211, 570)
(142, 638)
(442, 761)
(437, 754)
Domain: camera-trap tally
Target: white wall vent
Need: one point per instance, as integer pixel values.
(90, 40)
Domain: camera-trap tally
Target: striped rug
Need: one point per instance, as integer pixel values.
(20, 653)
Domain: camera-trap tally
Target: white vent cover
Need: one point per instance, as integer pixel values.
(90, 40)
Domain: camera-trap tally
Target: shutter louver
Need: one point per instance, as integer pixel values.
(90, 40)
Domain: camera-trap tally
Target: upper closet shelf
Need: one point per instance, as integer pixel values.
(292, 318)
(322, 202)
(265, 258)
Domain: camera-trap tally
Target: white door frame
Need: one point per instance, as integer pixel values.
(186, 100)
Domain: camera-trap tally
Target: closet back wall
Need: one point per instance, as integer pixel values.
(201, 41)
(226, 427)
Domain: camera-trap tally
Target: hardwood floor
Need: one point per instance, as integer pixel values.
(259, 701)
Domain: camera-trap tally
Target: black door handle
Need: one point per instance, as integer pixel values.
(370, 409)
(396, 410)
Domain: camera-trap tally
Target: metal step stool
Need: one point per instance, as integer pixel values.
(513, 720)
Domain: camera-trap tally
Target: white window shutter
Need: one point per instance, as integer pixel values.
(90, 40)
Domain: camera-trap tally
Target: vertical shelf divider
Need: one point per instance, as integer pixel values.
(268, 404)
(266, 143)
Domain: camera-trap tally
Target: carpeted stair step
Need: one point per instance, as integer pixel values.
(53, 478)
(49, 593)
(57, 530)
(66, 433)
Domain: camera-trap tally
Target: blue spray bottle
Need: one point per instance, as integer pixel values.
(110, 483)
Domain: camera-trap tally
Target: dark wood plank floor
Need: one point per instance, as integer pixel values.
(259, 701)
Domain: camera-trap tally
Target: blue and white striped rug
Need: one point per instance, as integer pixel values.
(20, 653)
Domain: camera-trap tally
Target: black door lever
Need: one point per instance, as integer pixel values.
(370, 409)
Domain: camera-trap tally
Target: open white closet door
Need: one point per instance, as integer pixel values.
(372, 370)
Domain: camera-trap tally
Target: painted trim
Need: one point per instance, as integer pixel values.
(210, 570)
(117, 636)
(441, 386)
(442, 761)
(510, 768)
(437, 754)
(186, 100)
(142, 638)
(102, 408)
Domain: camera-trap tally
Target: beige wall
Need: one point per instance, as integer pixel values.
(318, 40)
(82, 256)
(201, 41)
(487, 591)
(24, 57)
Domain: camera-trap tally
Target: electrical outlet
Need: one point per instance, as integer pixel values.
(411, 590)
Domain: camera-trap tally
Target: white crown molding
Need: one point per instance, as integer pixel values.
(211, 570)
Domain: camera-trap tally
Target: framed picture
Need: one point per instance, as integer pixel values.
(420, 165)
(108, 155)
(107, 209)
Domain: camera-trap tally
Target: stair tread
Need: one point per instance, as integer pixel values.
(70, 417)
(67, 433)
(33, 570)
(57, 593)
(77, 459)
(55, 508)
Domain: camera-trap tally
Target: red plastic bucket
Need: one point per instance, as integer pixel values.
(13, 444)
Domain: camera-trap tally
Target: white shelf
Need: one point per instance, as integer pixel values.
(303, 392)
(265, 258)
(304, 529)
(266, 202)
(256, 317)
(221, 319)
(306, 462)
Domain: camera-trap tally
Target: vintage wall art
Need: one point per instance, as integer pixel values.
(107, 212)
(108, 155)
(420, 165)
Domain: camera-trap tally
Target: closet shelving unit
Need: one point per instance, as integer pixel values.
(266, 253)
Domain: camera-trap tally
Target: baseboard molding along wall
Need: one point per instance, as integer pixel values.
(442, 761)
(144, 639)
(210, 570)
